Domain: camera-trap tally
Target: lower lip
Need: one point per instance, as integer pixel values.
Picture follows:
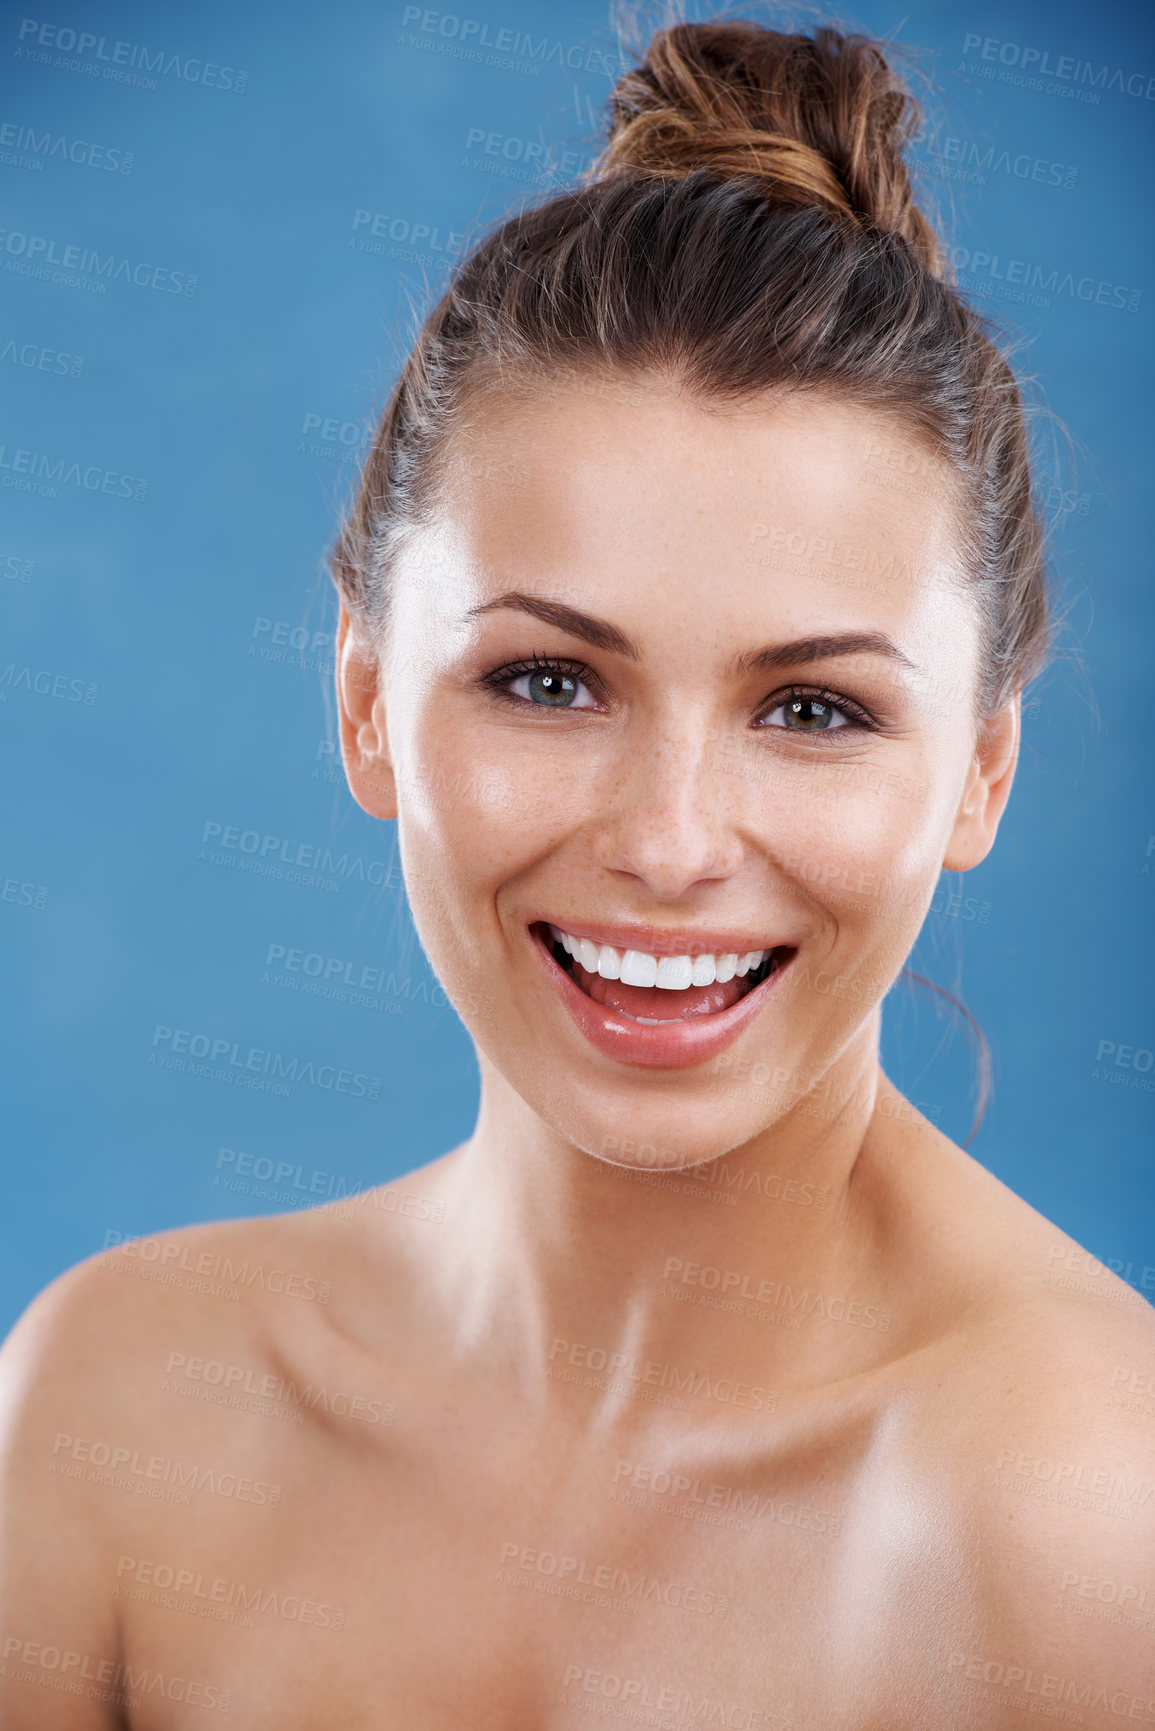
(671, 1045)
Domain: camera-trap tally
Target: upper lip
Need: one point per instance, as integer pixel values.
(661, 941)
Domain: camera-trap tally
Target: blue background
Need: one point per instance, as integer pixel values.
(242, 399)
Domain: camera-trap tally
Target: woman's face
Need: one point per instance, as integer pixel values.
(689, 683)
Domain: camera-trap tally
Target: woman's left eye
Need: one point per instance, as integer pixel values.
(804, 712)
(552, 688)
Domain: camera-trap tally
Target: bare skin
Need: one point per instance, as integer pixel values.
(710, 1393)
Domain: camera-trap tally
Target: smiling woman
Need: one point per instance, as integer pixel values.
(685, 613)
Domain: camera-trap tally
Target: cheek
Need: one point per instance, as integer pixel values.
(475, 805)
(859, 815)
(864, 844)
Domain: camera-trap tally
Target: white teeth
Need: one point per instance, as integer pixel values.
(675, 973)
(639, 969)
(702, 973)
(669, 973)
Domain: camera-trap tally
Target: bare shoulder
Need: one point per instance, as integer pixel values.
(1052, 1463)
(85, 1371)
(213, 1369)
(101, 1314)
(260, 1287)
(1035, 1421)
(92, 1452)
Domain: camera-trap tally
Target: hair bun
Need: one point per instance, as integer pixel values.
(819, 120)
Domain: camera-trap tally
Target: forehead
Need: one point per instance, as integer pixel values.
(618, 493)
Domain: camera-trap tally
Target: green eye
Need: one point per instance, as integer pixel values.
(806, 712)
(558, 690)
(545, 685)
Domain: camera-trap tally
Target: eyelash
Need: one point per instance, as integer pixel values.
(498, 678)
(857, 718)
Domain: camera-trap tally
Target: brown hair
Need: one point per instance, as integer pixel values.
(749, 227)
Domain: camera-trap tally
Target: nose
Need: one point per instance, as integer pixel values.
(668, 818)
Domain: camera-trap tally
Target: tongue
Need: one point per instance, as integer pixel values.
(657, 1004)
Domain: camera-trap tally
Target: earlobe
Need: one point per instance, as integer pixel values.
(361, 713)
(987, 789)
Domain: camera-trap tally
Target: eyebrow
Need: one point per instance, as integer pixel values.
(602, 635)
(598, 632)
(802, 649)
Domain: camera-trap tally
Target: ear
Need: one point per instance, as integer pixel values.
(361, 710)
(987, 789)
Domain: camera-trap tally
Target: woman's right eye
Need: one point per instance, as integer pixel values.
(553, 690)
(545, 685)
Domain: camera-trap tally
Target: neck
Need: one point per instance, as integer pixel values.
(766, 1265)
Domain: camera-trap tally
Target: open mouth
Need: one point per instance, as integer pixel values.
(656, 991)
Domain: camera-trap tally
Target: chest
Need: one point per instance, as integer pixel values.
(508, 1587)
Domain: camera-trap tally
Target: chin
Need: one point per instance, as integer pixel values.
(652, 1128)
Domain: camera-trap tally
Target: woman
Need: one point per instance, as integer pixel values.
(686, 609)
